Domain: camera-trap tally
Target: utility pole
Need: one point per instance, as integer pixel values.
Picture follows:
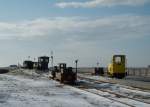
(97, 64)
(34, 59)
(29, 57)
(76, 61)
(52, 58)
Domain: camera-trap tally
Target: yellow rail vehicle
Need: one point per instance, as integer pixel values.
(117, 67)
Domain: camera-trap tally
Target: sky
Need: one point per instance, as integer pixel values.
(88, 30)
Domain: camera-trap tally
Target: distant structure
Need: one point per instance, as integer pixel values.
(43, 62)
(27, 64)
(148, 66)
(13, 66)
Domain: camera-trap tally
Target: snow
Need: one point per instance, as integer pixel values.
(123, 90)
(124, 100)
(34, 90)
(19, 91)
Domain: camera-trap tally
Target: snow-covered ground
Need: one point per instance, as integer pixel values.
(132, 96)
(19, 91)
(138, 82)
(34, 90)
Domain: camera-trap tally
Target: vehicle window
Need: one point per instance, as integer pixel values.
(118, 60)
(41, 60)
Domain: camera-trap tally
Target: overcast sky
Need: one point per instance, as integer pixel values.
(88, 30)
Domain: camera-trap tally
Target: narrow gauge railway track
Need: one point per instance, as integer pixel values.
(111, 82)
(118, 95)
(112, 99)
(140, 85)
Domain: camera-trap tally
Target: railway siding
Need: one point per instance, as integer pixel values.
(116, 89)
